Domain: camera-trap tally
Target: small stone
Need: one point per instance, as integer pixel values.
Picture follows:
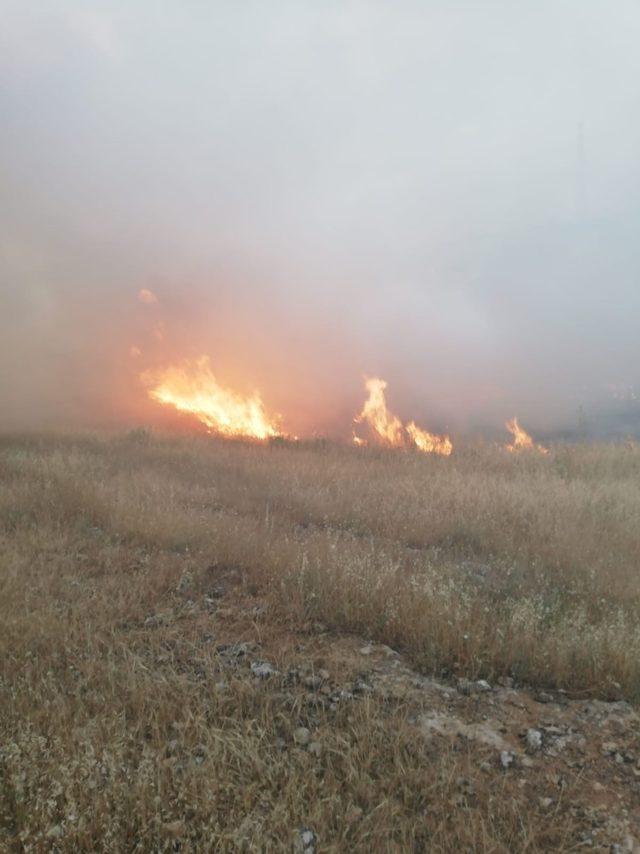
(482, 686)
(543, 697)
(388, 651)
(262, 669)
(552, 730)
(366, 650)
(534, 740)
(506, 758)
(545, 803)
(301, 736)
(304, 843)
(315, 749)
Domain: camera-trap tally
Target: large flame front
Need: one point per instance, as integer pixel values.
(388, 428)
(193, 388)
(522, 441)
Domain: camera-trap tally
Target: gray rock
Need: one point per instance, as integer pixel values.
(301, 736)
(534, 740)
(262, 669)
(305, 841)
(506, 758)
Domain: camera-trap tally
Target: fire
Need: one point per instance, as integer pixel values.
(388, 428)
(429, 442)
(385, 424)
(522, 441)
(193, 388)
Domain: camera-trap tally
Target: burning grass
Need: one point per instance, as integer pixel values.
(479, 564)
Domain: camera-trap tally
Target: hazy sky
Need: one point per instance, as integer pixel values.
(446, 194)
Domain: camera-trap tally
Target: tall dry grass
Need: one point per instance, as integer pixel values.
(484, 562)
(481, 564)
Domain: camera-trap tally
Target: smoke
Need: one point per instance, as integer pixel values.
(441, 194)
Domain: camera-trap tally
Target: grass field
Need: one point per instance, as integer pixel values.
(117, 555)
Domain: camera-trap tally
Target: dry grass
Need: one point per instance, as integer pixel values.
(114, 736)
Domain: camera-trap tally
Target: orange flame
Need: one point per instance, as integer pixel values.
(522, 441)
(388, 428)
(385, 424)
(429, 442)
(193, 388)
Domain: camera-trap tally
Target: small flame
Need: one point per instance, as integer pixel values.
(385, 424)
(193, 388)
(429, 442)
(522, 441)
(389, 428)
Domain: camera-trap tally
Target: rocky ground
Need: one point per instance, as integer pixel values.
(558, 755)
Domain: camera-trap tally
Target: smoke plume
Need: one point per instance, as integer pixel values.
(444, 195)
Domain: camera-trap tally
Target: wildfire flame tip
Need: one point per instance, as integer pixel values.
(522, 441)
(390, 430)
(193, 388)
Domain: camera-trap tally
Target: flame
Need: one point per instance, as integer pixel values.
(522, 441)
(429, 442)
(375, 413)
(193, 388)
(389, 428)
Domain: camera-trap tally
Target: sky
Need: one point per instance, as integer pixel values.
(443, 194)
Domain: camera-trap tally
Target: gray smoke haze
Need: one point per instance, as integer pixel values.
(444, 194)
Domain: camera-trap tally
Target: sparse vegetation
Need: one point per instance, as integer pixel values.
(120, 728)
